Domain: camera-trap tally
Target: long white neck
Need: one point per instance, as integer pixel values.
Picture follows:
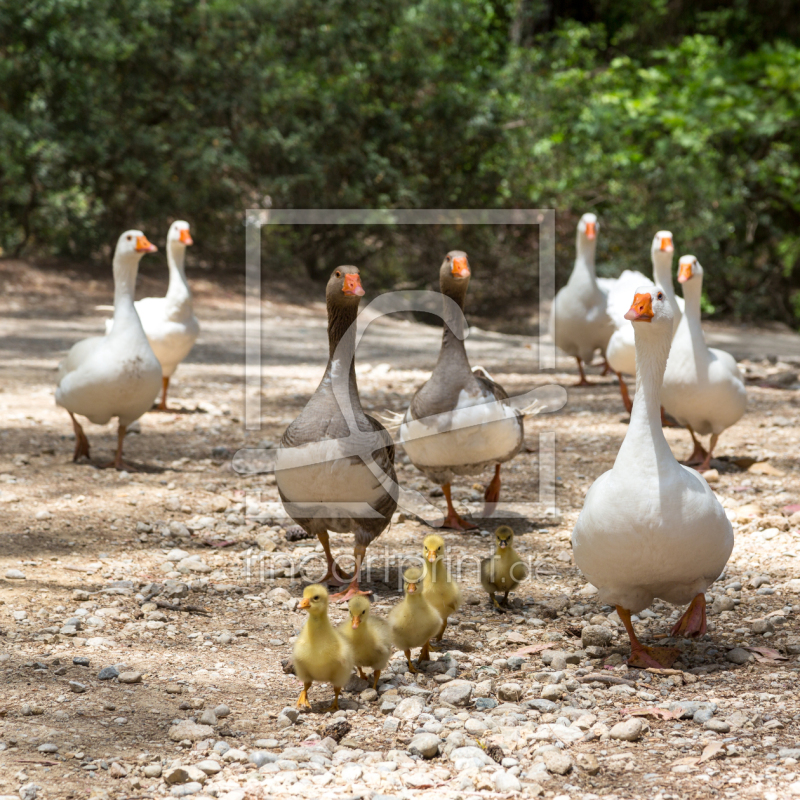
(178, 294)
(692, 294)
(584, 269)
(644, 444)
(662, 277)
(126, 268)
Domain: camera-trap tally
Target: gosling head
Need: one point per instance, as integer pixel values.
(359, 610)
(315, 599)
(412, 577)
(433, 548)
(504, 537)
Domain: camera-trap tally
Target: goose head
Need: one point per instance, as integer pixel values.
(359, 610)
(133, 244)
(412, 577)
(433, 548)
(315, 600)
(344, 287)
(179, 235)
(587, 232)
(651, 306)
(504, 537)
(454, 271)
(688, 268)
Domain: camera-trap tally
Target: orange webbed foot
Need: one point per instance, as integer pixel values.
(693, 622)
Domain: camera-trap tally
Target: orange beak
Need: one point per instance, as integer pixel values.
(186, 237)
(412, 587)
(666, 244)
(304, 603)
(503, 543)
(431, 556)
(642, 308)
(684, 271)
(591, 230)
(460, 267)
(143, 246)
(356, 622)
(352, 286)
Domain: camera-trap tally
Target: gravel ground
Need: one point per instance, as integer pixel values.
(109, 692)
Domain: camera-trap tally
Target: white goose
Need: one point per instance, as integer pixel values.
(703, 388)
(621, 351)
(169, 322)
(116, 375)
(651, 527)
(579, 322)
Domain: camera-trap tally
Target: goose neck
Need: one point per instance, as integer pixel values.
(585, 255)
(692, 294)
(342, 322)
(453, 349)
(126, 268)
(178, 291)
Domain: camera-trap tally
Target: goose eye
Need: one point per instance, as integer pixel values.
(128, 238)
(316, 597)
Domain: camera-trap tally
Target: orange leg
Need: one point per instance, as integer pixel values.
(162, 406)
(334, 706)
(707, 460)
(582, 381)
(376, 674)
(699, 453)
(342, 597)
(81, 442)
(492, 494)
(118, 462)
(411, 667)
(623, 390)
(333, 575)
(302, 701)
(453, 520)
(606, 368)
(693, 622)
(425, 653)
(642, 656)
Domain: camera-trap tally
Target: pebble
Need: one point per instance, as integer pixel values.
(630, 730)
(596, 636)
(15, 575)
(107, 673)
(409, 708)
(717, 725)
(186, 729)
(48, 747)
(352, 772)
(186, 789)
(557, 761)
(763, 626)
(456, 693)
(738, 656)
(425, 744)
(223, 711)
(117, 770)
(77, 687)
(259, 758)
(81, 661)
(152, 771)
(130, 677)
(510, 692)
(588, 763)
(506, 782)
(208, 717)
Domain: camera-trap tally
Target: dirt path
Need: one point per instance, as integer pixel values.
(92, 543)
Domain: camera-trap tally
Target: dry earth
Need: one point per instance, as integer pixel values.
(94, 546)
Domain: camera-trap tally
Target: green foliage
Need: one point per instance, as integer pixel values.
(134, 112)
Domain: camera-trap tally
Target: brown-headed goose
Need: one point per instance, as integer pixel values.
(335, 466)
(458, 422)
(116, 375)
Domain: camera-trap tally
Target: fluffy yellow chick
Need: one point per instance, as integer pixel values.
(414, 620)
(439, 588)
(370, 638)
(321, 653)
(504, 570)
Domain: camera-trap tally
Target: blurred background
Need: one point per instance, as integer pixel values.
(651, 113)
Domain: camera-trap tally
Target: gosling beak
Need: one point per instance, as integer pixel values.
(685, 271)
(591, 230)
(186, 237)
(503, 544)
(412, 587)
(352, 286)
(460, 267)
(304, 603)
(143, 246)
(642, 308)
(666, 244)
(431, 556)
(355, 623)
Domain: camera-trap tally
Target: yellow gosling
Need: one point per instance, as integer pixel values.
(370, 638)
(414, 620)
(504, 571)
(321, 653)
(439, 587)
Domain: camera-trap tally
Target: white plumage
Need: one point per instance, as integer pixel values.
(169, 322)
(651, 527)
(116, 375)
(579, 322)
(703, 387)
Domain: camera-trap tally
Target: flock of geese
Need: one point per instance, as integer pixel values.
(650, 527)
